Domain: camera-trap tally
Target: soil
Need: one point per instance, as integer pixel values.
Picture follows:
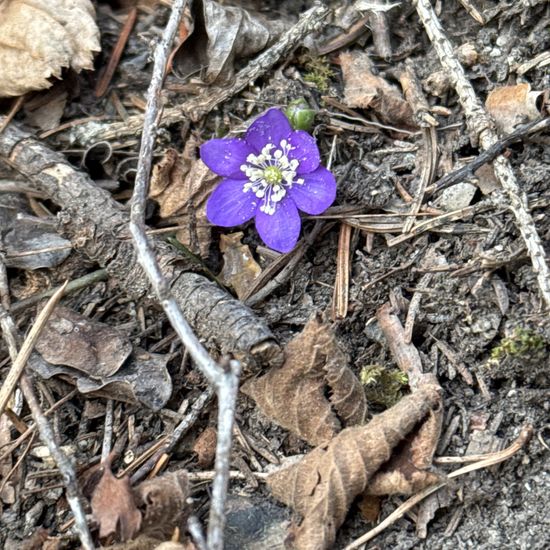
(485, 305)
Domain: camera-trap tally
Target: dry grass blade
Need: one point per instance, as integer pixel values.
(340, 297)
(26, 349)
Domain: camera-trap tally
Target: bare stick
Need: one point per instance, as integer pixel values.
(397, 514)
(19, 362)
(481, 126)
(224, 378)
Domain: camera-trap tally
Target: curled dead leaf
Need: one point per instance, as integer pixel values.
(114, 507)
(511, 106)
(366, 90)
(294, 394)
(40, 37)
(181, 184)
(205, 447)
(71, 339)
(322, 486)
(240, 269)
(163, 501)
(221, 34)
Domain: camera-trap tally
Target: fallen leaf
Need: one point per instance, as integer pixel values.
(294, 394)
(163, 501)
(364, 89)
(409, 469)
(114, 507)
(29, 242)
(181, 184)
(323, 485)
(240, 269)
(219, 36)
(511, 106)
(205, 447)
(143, 379)
(73, 340)
(39, 38)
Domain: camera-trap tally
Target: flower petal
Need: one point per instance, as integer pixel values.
(271, 127)
(305, 151)
(317, 192)
(228, 205)
(280, 230)
(225, 156)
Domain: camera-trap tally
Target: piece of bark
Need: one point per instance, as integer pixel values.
(98, 225)
(323, 485)
(294, 395)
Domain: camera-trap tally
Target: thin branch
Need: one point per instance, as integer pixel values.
(224, 378)
(481, 127)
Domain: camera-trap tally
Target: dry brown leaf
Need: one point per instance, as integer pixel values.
(114, 507)
(511, 106)
(408, 472)
(40, 37)
(294, 394)
(142, 379)
(322, 486)
(205, 447)
(181, 184)
(163, 501)
(74, 340)
(219, 35)
(240, 269)
(366, 90)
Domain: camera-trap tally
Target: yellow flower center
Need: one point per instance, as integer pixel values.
(273, 175)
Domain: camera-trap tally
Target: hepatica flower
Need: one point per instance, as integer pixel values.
(269, 175)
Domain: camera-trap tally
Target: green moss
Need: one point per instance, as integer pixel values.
(318, 72)
(383, 386)
(524, 342)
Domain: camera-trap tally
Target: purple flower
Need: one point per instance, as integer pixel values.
(269, 175)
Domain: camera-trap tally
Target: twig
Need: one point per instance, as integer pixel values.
(309, 21)
(107, 431)
(414, 95)
(12, 112)
(468, 170)
(224, 378)
(397, 514)
(74, 285)
(172, 440)
(480, 125)
(19, 363)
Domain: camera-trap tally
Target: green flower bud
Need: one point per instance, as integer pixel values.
(300, 114)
